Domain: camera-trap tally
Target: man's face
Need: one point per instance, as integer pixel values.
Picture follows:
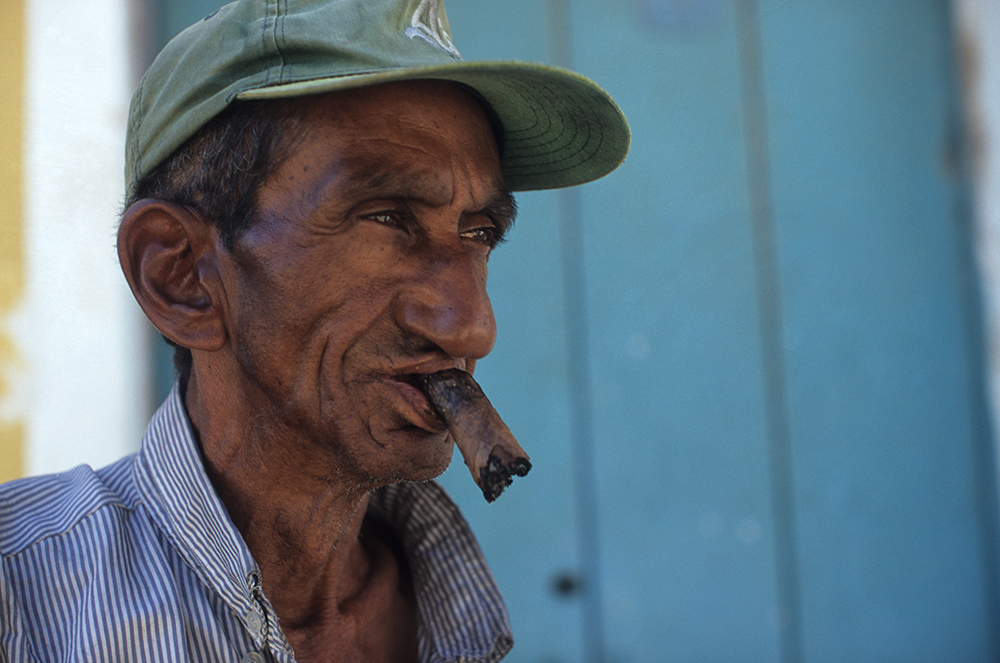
(368, 265)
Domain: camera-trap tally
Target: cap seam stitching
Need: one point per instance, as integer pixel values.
(137, 162)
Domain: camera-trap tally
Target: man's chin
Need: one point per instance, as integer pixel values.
(419, 455)
(434, 462)
(427, 475)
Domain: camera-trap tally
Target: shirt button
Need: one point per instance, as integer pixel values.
(254, 622)
(253, 657)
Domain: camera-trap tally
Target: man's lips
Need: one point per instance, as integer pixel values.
(420, 411)
(404, 375)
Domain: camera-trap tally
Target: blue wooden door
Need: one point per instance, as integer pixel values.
(747, 364)
(790, 458)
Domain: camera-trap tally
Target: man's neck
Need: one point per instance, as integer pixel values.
(323, 578)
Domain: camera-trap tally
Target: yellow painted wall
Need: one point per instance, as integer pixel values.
(12, 54)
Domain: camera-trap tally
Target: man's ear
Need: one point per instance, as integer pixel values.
(169, 255)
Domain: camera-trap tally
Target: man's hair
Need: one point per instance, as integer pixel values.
(219, 171)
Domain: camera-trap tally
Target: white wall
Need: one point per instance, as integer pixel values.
(83, 392)
(978, 27)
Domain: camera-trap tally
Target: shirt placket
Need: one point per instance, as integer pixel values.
(258, 622)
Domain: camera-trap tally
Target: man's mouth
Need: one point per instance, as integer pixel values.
(408, 386)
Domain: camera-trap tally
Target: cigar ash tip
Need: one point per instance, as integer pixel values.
(497, 474)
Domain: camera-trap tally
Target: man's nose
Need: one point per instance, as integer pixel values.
(446, 303)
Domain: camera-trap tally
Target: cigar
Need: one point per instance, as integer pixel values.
(490, 451)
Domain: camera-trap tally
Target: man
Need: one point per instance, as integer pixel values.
(314, 190)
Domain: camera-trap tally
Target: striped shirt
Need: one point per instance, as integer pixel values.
(139, 561)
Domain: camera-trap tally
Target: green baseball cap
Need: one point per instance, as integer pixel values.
(559, 128)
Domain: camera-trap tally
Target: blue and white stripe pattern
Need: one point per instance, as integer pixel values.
(139, 561)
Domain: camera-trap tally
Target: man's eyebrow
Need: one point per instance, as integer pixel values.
(502, 208)
(359, 181)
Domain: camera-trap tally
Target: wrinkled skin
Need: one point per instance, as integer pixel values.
(368, 265)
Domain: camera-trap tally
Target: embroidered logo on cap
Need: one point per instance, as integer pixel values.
(427, 25)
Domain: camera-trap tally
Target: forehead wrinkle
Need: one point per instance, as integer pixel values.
(372, 176)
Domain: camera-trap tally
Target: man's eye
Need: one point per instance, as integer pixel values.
(385, 218)
(395, 219)
(485, 236)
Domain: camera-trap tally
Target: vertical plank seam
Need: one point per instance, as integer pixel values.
(578, 351)
(782, 487)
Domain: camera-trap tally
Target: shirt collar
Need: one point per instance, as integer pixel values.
(459, 601)
(172, 478)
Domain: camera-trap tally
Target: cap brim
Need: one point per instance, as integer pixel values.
(560, 128)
